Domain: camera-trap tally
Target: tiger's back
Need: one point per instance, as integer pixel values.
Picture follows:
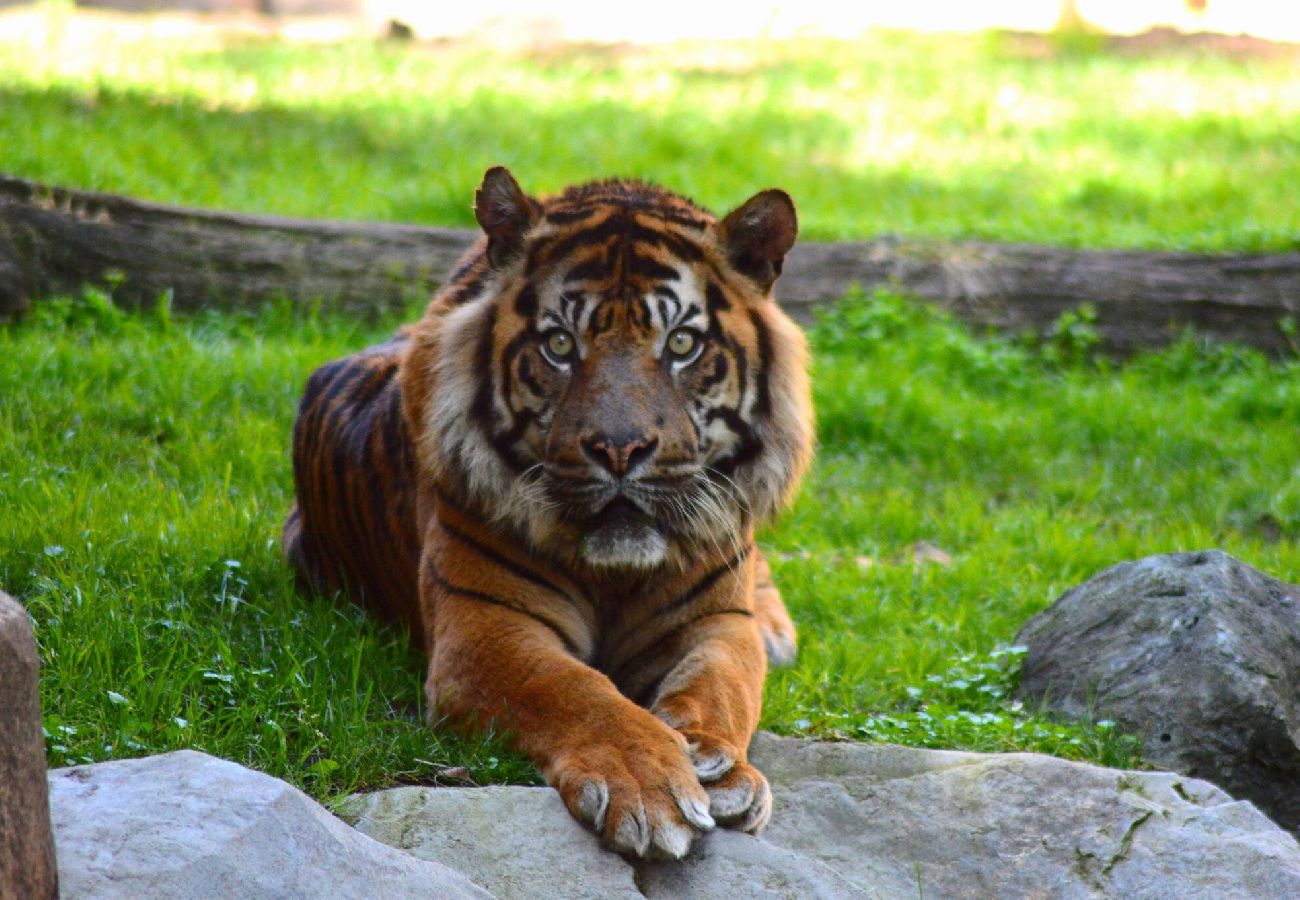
(353, 527)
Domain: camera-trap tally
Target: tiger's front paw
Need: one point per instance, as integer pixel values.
(642, 798)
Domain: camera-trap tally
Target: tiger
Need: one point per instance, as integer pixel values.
(553, 480)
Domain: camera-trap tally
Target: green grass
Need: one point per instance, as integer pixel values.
(144, 473)
(979, 136)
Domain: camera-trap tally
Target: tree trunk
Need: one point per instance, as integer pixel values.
(54, 240)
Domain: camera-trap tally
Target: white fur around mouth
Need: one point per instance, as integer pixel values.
(625, 542)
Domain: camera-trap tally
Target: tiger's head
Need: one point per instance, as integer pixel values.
(610, 374)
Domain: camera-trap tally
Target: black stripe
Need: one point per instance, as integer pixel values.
(393, 426)
(502, 602)
(568, 217)
(646, 267)
(708, 581)
(602, 320)
(663, 640)
(685, 221)
(463, 269)
(526, 302)
(620, 226)
(504, 441)
(720, 612)
(595, 269)
(482, 407)
(579, 307)
(639, 312)
(509, 565)
(763, 405)
(529, 377)
(719, 373)
(467, 289)
(375, 383)
(749, 446)
(716, 299)
(681, 600)
(334, 379)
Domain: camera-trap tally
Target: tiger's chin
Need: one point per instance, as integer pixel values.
(623, 536)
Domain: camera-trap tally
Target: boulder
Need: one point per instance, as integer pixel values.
(1198, 654)
(876, 820)
(186, 825)
(26, 845)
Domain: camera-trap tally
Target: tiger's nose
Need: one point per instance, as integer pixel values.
(619, 454)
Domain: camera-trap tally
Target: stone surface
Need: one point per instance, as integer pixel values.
(1196, 653)
(187, 825)
(877, 820)
(26, 846)
(514, 841)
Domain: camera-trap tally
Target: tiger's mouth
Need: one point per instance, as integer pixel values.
(622, 534)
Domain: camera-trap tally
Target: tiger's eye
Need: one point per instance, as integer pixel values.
(560, 343)
(681, 342)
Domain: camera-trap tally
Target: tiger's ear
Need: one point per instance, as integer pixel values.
(505, 213)
(759, 234)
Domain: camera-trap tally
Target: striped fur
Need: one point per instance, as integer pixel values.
(553, 480)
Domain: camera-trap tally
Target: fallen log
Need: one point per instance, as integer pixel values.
(57, 240)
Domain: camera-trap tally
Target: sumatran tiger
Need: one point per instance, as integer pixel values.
(553, 479)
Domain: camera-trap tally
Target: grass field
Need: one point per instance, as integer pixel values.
(982, 136)
(144, 460)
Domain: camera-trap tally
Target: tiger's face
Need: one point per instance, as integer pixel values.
(614, 378)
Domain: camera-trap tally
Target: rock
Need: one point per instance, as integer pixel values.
(876, 820)
(187, 825)
(26, 846)
(514, 841)
(909, 822)
(732, 865)
(1198, 654)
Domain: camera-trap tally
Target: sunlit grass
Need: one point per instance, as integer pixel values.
(940, 135)
(144, 473)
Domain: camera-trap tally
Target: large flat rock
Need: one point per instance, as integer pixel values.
(876, 820)
(185, 825)
(850, 820)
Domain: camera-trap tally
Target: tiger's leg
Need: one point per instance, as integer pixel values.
(507, 652)
(713, 698)
(779, 635)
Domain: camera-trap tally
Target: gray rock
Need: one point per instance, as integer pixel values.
(946, 824)
(186, 825)
(26, 846)
(729, 865)
(877, 820)
(514, 841)
(1196, 653)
